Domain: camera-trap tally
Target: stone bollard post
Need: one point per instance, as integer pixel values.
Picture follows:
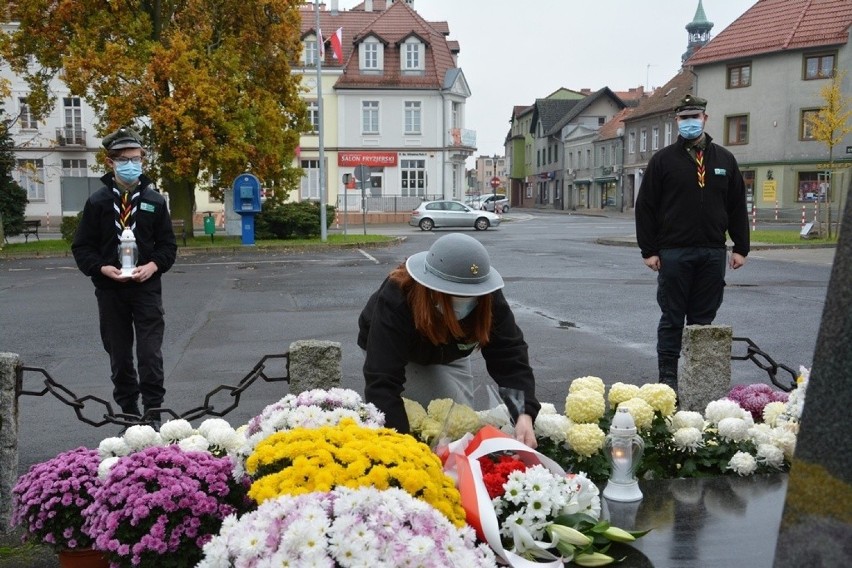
(706, 369)
(10, 376)
(314, 364)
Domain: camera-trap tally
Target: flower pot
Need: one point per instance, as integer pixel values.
(82, 558)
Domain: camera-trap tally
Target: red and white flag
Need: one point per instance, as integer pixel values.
(337, 44)
(320, 45)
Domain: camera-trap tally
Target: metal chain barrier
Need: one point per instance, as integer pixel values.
(89, 405)
(757, 356)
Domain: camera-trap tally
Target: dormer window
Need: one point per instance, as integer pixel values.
(310, 52)
(412, 55)
(371, 55)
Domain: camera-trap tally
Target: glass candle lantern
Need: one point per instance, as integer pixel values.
(128, 253)
(624, 448)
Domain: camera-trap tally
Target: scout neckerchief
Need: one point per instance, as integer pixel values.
(697, 151)
(125, 204)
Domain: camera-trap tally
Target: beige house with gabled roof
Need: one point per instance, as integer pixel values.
(395, 103)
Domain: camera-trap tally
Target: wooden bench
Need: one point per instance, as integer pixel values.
(179, 227)
(31, 228)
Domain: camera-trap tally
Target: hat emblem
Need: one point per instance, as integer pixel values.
(474, 269)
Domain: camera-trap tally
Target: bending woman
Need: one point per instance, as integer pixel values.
(426, 319)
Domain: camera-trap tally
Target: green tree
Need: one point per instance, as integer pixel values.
(830, 126)
(13, 198)
(208, 83)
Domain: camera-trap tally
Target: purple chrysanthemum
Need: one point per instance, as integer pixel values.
(754, 397)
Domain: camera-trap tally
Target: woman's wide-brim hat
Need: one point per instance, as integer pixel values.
(455, 264)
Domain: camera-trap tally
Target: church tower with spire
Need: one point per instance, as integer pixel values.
(699, 32)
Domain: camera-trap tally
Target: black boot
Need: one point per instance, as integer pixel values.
(152, 418)
(668, 370)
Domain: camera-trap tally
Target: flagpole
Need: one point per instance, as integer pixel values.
(322, 192)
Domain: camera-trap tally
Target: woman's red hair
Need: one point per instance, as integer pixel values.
(441, 327)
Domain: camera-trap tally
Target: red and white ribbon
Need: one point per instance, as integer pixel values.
(462, 463)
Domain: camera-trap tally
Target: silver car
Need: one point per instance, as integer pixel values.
(431, 214)
(487, 202)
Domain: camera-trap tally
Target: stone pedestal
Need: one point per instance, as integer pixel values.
(706, 366)
(10, 371)
(314, 364)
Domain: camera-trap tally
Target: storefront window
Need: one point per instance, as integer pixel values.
(813, 186)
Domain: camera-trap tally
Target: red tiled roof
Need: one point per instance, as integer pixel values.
(779, 25)
(664, 99)
(610, 129)
(392, 24)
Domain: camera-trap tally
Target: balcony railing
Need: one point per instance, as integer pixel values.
(70, 137)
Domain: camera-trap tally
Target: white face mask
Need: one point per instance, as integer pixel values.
(463, 305)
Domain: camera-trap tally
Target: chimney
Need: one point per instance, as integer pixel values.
(368, 5)
(334, 7)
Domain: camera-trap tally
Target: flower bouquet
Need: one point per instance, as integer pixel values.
(345, 527)
(50, 498)
(305, 460)
(160, 505)
(309, 409)
(525, 506)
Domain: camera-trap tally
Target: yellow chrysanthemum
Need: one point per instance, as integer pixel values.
(304, 460)
(772, 411)
(585, 405)
(619, 392)
(415, 412)
(641, 411)
(662, 398)
(586, 439)
(593, 383)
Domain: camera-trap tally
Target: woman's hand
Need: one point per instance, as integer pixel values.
(524, 431)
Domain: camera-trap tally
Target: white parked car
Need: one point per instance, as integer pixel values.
(449, 213)
(488, 201)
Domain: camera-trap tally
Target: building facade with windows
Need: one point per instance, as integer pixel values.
(763, 77)
(394, 102)
(487, 168)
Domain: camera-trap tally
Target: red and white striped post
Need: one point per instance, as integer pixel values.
(776, 209)
(754, 217)
(803, 216)
(816, 209)
(48, 221)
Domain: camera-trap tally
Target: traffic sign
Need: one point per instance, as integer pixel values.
(362, 173)
(495, 182)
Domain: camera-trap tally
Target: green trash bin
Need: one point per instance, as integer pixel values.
(210, 226)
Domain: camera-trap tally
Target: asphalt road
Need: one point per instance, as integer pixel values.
(585, 308)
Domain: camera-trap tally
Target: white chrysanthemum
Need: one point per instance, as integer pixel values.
(194, 443)
(113, 447)
(176, 430)
(733, 429)
(212, 424)
(619, 392)
(722, 408)
(786, 440)
(224, 437)
(547, 408)
(761, 434)
(142, 436)
(686, 419)
(592, 383)
(497, 417)
(771, 455)
(772, 411)
(742, 463)
(553, 426)
(688, 439)
(105, 466)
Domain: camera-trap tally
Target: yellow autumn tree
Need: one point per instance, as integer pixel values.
(208, 83)
(830, 126)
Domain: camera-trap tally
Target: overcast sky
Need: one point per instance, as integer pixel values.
(513, 52)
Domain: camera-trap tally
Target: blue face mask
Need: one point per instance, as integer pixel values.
(128, 172)
(690, 128)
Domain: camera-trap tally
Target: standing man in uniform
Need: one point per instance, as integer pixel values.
(691, 195)
(128, 200)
